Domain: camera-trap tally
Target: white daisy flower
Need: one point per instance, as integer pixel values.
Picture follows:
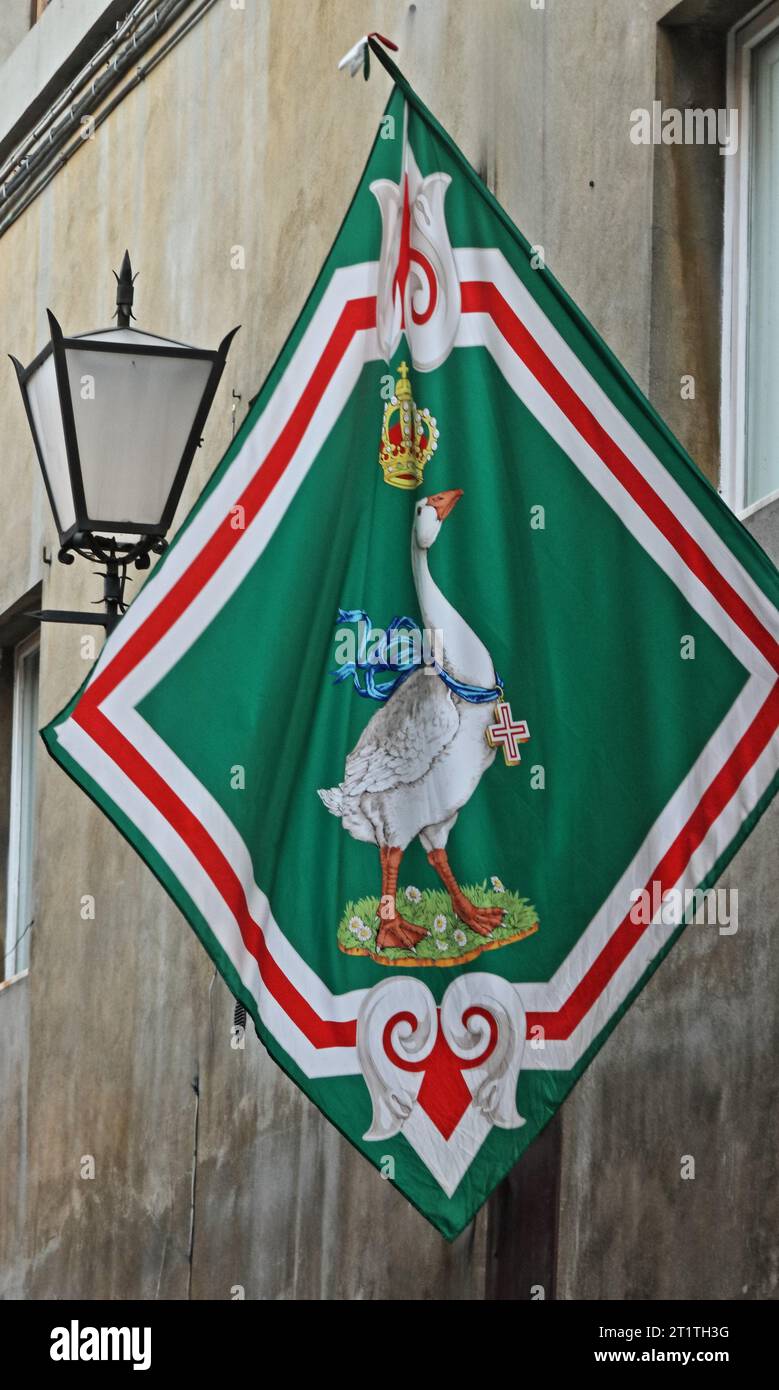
(442, 945)
(460, 937)
(363, 933)
(439, 923)
(413, 894)
(355, 923)
(497, 884)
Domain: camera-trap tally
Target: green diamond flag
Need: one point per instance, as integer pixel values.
(457, 682)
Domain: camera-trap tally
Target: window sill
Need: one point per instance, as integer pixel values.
(758, 506)
(14, 979)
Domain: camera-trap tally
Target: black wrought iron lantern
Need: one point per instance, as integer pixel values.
(116, 416)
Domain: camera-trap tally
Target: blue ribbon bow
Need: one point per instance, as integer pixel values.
(390, 653)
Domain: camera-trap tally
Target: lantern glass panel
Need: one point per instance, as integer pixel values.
(44, 403)
(133, 414)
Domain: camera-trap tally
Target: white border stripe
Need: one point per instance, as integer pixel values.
(480, 329)
(565, 1054)
(333, 1061)
(329, 1006)
(491, 265)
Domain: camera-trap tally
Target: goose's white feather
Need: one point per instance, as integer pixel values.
(404, 737)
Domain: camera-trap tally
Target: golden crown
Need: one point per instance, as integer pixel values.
(408, 437)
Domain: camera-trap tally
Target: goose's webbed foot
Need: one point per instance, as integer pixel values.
(482, 920)
(398, 932)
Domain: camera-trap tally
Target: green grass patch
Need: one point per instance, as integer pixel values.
(450, 941)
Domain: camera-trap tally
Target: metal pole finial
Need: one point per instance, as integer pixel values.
(125, 293)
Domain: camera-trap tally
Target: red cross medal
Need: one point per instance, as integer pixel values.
(507, 732)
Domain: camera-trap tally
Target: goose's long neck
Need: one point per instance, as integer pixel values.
(465, 655)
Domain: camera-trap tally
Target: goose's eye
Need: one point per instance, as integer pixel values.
(419, 511)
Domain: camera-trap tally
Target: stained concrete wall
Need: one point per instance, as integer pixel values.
(14, 24)
(117, 1045)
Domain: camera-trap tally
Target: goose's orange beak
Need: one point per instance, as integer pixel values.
(443, 502)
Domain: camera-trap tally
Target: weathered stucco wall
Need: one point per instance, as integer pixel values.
(246, 134)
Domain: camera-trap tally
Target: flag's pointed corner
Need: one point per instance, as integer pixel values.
(378, 46)
(359, 54)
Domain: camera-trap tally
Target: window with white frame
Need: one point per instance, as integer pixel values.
(21, 686)
(750, 395)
